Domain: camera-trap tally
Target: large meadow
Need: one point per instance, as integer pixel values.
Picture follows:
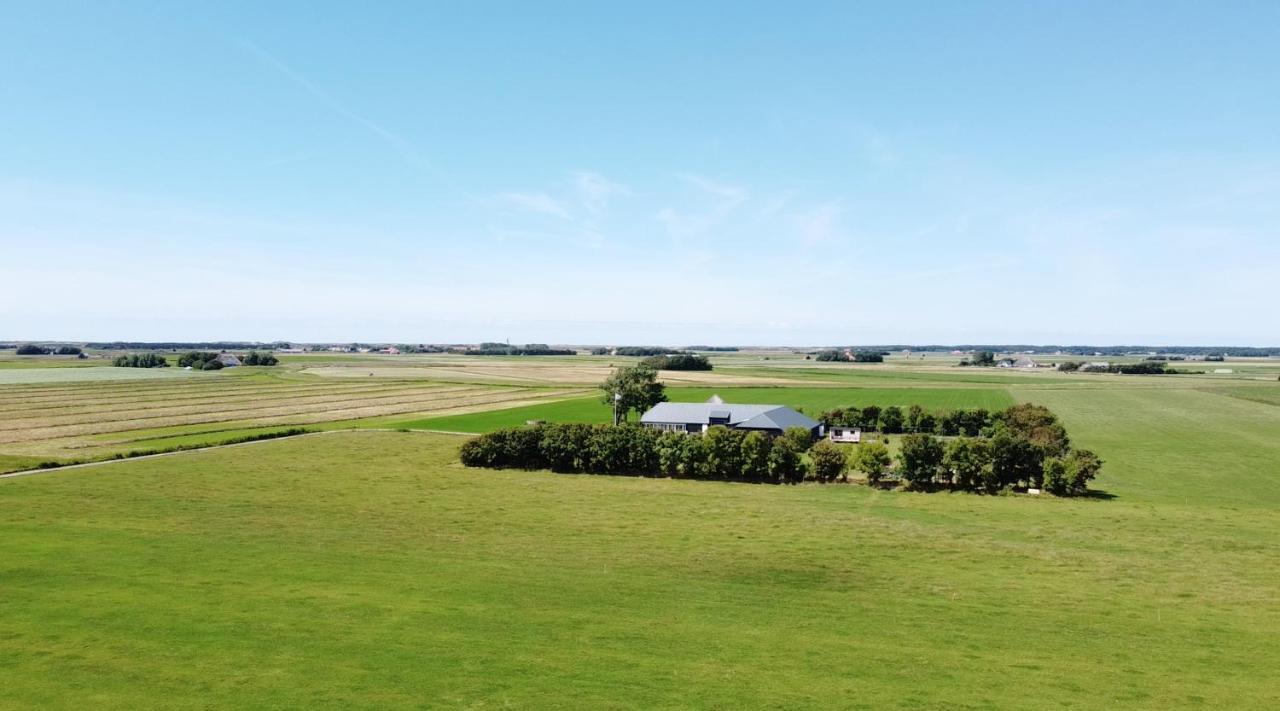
(363, 566)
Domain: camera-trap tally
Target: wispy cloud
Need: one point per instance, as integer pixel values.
(819, 225)
(718, 201)
(326, 99)
(537, 202)
(595, 191)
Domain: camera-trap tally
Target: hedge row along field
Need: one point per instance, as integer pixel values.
(1023, 447)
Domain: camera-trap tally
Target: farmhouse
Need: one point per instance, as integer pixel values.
(228, 360)
(697, 417)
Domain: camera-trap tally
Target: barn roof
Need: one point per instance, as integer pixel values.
(761, 417)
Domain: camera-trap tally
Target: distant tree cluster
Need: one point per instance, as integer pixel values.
(32, 349)
(1146, 367)
(644, 351)
(200, 360)
(831, 355)
(721, 453)
(256, 358)
(677, 361)
(140, 360)
(529, 349)
(895, 420)
(420, 348)
(981, 359)
(1232, 351)
(178, 345)
(714, 349)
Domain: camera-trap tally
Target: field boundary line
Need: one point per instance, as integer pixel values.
(157, 455)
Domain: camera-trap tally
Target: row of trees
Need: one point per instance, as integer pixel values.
(200, 360)
(179, 345)
(721, 454)
(1150, 367)
(895, 420)
(32, 349)
(529, 349)
(140, 360)
(677, 361)
(256, 358)
(988, 465)
(982, 359)
(856, 357)
(640, 351)
(1010, 458)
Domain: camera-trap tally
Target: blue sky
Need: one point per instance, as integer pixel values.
(730, 173)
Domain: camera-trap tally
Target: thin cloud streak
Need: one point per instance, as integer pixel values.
(394, 140)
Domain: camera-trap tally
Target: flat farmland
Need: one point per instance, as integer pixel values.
(359, 569)
(97, 418)
(812, 400)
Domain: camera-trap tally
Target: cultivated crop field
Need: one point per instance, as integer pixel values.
(95, 417)
(368, 568)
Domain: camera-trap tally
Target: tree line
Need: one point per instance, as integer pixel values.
(1023, 446)
(1147, 367)
(857, 357)
(677, 361)
(529, 349)
(208, 360)
(32, 349)
(186, 345)
(629, 449)
(895, 420)
(140, 360)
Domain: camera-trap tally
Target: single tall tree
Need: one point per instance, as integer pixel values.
(630, 389)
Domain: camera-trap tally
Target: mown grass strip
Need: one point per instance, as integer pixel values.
(41, 430)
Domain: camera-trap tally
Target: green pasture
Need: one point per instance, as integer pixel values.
(369, 569)
(809, 399)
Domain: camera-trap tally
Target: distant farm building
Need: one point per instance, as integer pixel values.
(228, 360)
(698, 417)
(840, 433)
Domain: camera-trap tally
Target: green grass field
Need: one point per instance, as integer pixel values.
(808, 399)
(370, 569)
(366, 568)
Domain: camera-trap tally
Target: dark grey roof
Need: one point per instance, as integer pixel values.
(760, 417)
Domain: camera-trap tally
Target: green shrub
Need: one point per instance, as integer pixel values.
(920, 459)
(828, 461)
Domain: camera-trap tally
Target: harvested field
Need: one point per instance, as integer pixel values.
(96, 418)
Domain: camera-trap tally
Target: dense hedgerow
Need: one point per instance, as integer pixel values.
(721, 454)
(1022, 447)
(677, 361)
(140, 360)
(895, 420)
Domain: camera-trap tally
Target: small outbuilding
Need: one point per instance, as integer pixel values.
(228, 360)
(841, 433)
